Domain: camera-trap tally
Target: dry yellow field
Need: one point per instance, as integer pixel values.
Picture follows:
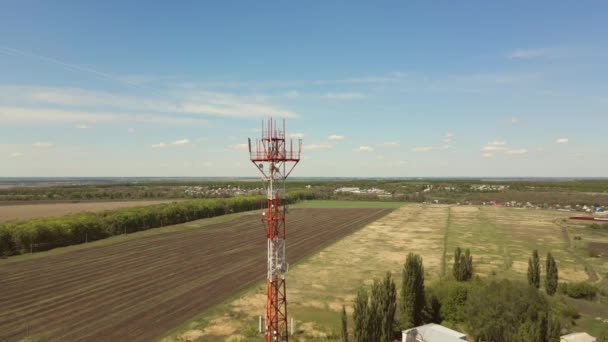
(501, 241)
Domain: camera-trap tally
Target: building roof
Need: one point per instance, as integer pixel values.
(578, 337)
(437, 333)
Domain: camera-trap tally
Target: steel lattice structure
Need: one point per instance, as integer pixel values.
(275, 160)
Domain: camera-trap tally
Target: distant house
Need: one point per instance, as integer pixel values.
(578, 337)
(432, 333)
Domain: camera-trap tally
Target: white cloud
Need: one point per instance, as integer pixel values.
(336, 137)
(42, 144)
(181, 142)
(296, 135)
(487, 155)
(240, 147)
(562, 141)
(344, 96)
(82, 126)
(447, 138)
(364, 149)
(292, 94)
(430, 148)
(530, 53)
(131, 130)
(497, 143)
(493, 148)
(45, 115)
(390, 144)
(321, 146)
(517, 151)
(423, 148)
(16, 154)
(514, 121)
(181, 101)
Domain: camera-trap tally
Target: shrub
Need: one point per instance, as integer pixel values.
(579, 290)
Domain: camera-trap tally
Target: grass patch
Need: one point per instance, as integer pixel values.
(346, 204)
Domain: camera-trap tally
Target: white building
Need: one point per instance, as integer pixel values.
(578, 337)
(432, 333)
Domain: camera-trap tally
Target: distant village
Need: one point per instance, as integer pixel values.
(227, 191)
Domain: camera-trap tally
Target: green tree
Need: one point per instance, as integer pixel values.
(506, 311)
(552, 275)
(456, 270)
(534, 270)
(360, 311)
(555, 329)
(344, 325)
(603, 337)
(463, 265)
(412, 292)
(467, 265)
(388, 306)
(374, 312)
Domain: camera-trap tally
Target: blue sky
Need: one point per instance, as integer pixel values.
(119, 88)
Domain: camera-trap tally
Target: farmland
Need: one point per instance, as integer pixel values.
(138, 288)
(29, 210)
(501, 240)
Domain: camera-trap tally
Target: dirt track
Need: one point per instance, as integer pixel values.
(139, 289)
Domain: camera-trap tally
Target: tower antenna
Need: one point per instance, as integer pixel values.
(275, 160)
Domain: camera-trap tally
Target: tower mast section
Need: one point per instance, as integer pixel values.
(275, 161)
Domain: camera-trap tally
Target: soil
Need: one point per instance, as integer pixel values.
(138, 289)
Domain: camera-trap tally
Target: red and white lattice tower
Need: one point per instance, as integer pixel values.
(275, 160)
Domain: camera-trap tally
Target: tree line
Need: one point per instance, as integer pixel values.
(496, 310)
(40, 234)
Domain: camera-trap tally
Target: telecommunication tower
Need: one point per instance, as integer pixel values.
(275, 160)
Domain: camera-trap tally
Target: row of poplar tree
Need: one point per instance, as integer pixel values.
(551, 277)
(374, 311)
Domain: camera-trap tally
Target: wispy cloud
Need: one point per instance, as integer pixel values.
(500, 146)
(562, 141)
(240, 147)
(447, 138)
(16, 155)
(42, 144)
(364, 149)
(45, 115)
(517, 151)
(336, 137)
(296, 135)
(430, 148)
(159, 145)
(321, 146)
(131, 130)
(496, 145)
(180, 142)
(82, 126)
(189, 103)
(344, 96)
(514, 121)
(547, 52)
(390, 144)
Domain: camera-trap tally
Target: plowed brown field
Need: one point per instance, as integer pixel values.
(138, 289)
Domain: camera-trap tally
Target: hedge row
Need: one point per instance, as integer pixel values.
(45, 233)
